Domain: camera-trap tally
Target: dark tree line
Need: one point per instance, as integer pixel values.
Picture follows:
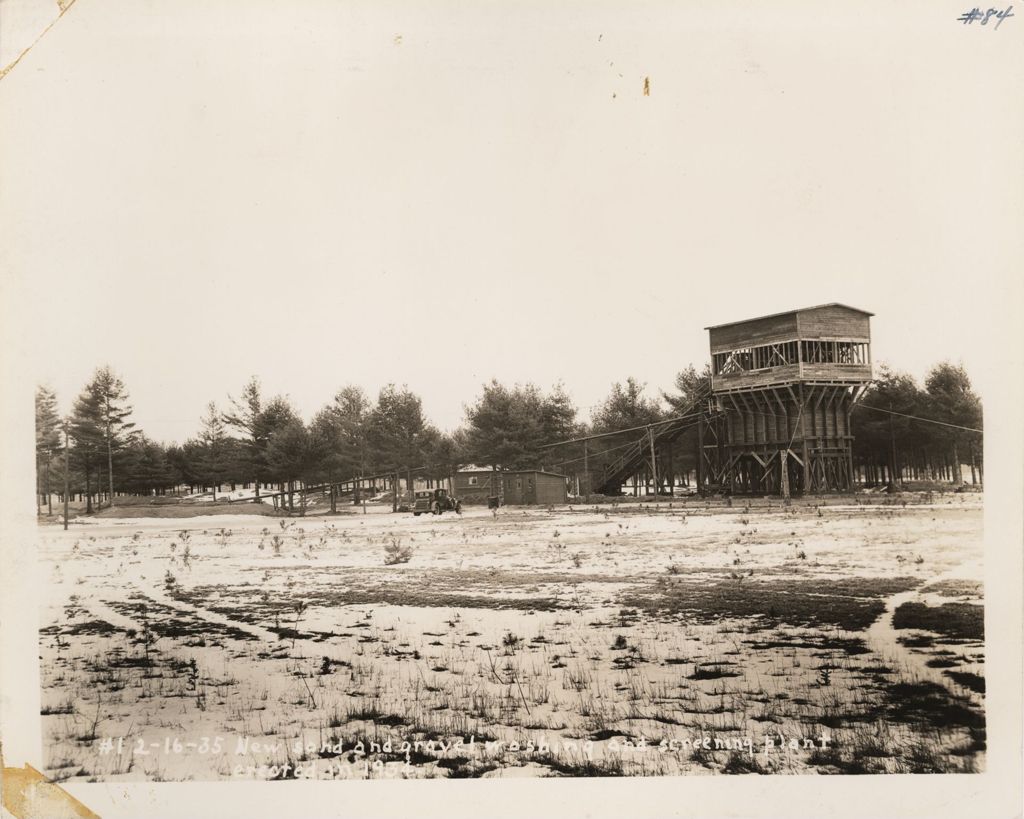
(256, 441)
(259, 441)
(921, 449)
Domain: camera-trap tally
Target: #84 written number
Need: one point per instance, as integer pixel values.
(979, 16)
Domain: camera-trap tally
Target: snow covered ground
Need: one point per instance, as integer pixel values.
(685, 637)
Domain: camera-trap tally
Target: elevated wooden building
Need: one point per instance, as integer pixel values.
(784, 386)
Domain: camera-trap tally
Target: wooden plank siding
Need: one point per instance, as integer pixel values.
(776, 417)
(754, 332)
(532, 487)
(755, 379)
(834, 322)
(551, 489)
(835, 372)
(474, 484)
(523, 487)
(832, 341)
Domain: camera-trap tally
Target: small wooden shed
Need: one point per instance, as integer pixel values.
(519, 487)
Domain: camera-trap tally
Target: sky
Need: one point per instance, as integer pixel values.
(438, 194)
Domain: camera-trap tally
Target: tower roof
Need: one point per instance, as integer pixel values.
(791, 312)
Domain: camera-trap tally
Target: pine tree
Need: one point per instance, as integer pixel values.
(214, 462)
(952, 400)
(505, 426)
(327, 445)
(508, 426)
(691, 387)
(446, 453)
(100, 425)
(626, 407)
(48, 441)
(276, 462)
(86, 430)
(395, 433)
(145, 468)
(290, 455)
(558, 416)
(245, 417)
(350, 411)
(114, 412)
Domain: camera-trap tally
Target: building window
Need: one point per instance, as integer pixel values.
(750, 359)
(834, 352)
(473, 480)
(785, 353)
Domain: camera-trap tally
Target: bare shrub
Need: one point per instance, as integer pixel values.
(395, 552)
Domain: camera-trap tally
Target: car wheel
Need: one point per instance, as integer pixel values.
(415, 514)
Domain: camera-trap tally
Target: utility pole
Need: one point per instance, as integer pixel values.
(586, 469)
(784, 473)
(67, 459)
(892, 452)
(700, 456)
(654, 463)
(49, 499)
(671, 472)
(110, 459)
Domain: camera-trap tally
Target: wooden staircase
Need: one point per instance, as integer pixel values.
(637, 456)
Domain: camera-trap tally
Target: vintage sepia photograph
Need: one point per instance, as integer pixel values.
(772, 566)
(418, 392)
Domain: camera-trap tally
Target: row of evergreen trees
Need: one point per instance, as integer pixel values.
(255, 440)
(259, 440)
(893, 444)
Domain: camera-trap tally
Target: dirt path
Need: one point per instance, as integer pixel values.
(100, 610)
(883, 637)
(154, 593)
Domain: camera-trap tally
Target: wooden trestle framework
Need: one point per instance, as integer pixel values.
(793, 438)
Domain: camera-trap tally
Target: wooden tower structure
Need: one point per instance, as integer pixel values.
(784, 386)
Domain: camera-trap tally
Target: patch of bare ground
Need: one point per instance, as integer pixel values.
(964, 621)
(847, 603)
(956, 588)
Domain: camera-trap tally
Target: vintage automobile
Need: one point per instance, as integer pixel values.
(435, 501)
